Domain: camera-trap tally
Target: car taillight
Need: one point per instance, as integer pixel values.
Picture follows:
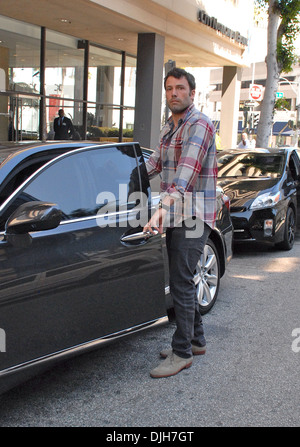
(226, 201)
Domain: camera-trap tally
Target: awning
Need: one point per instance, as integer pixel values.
(279, 128)
(241, 129)
(216, 123)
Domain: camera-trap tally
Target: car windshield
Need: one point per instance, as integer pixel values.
(251, 165)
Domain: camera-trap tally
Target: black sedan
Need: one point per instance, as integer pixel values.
(263, 188)
(76, 268)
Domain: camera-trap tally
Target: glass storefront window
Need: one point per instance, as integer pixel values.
(107, 108)
(63, 79)
(101, 88)
(104, 93)
(129, 92)
(20, 61)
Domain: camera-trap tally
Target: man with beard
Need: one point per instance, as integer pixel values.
(186, 160)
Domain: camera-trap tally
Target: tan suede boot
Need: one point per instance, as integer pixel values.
(172, 365)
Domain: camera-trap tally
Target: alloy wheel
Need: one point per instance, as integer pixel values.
(207, 277)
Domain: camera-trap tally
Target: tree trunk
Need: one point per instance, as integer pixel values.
(266, 117)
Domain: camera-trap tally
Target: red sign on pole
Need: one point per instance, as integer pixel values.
(256, 92)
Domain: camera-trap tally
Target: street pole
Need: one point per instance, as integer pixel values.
(298, 101)
(298, 110)
(297, 83)
(252, 108)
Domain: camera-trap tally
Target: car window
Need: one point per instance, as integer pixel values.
(15, 174)
(17, 177)
(155, 182)
(81, 183)
(251, 165)
(114, 175)
(293, 167)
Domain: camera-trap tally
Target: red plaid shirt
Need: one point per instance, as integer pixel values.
(186, 160)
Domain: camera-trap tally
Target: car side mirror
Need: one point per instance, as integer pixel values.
(28, 217)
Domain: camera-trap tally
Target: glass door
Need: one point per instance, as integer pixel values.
(23, 118)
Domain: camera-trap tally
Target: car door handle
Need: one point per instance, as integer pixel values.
(138, 236)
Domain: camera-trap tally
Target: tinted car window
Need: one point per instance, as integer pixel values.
(251, 165)
(63, 183)
(15, 174)
(114, 171)
(294, 166)
(81, 183)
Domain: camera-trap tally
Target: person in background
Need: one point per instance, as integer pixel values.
(186, 160)
(63, 127)
(245, 143)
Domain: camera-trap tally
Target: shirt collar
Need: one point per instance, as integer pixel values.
(186, 115)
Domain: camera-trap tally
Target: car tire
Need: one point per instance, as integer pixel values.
(289, 231)
(207, 277)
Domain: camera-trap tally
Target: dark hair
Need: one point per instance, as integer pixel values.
(180, 73)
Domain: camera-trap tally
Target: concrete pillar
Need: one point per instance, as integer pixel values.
(231, 88)
(149, 82)
(105, 95)
(4, 123)
(78, 93)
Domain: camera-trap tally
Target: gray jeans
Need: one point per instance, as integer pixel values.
(184, 253)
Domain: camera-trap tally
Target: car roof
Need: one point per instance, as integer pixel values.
(22, 150)
(15, 154)
(260, 150)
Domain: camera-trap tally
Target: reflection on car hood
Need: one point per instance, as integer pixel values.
(240, 191)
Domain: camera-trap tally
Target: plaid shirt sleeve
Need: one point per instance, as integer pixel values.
(154, 164)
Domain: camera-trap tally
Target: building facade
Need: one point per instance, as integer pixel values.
(286, 113)
(103, 62)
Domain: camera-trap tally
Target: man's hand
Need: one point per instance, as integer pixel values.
(156, 222)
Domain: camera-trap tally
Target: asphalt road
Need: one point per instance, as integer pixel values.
(249, 376)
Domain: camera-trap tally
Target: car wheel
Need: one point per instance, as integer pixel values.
(289, 231)
(207, 277)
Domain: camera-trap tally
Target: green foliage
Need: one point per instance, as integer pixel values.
(287, 32)
(289, 11)
(95, 131)
(282, 104)
(260, 5)
(128, 133)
